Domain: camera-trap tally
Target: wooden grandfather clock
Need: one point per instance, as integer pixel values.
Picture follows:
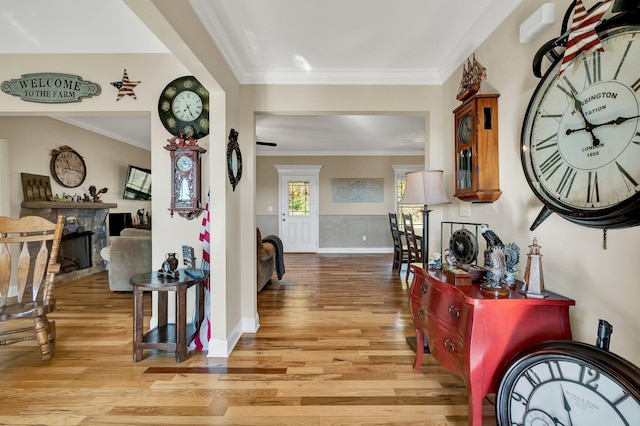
(476, 150)
(186, 176)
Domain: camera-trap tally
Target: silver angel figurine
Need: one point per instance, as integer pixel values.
(498, 266)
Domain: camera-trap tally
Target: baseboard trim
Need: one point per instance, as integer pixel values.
(356, 250)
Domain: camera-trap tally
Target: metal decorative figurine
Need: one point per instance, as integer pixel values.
(170, 267)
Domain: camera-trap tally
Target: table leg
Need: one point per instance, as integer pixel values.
(181, 323)
(138, 318)
(419, 349)
(162, 308)
(201, 312)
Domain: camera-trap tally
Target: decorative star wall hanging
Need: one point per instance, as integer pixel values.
(125, 86)
(583, 31)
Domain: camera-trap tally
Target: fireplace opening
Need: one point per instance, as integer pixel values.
(75, 251)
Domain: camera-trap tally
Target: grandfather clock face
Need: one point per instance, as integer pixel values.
(184, 179)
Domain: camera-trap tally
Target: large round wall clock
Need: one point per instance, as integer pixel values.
(581, 135)
(570, 384)
(67, 167)
(183, 108)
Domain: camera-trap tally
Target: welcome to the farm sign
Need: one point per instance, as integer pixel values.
(51, 88)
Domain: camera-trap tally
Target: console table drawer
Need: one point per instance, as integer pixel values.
(446, 345)
(449, 309)
(419, 314)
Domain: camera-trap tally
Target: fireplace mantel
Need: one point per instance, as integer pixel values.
(66, 205)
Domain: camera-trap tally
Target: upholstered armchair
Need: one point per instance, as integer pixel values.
(128, 255)
(266, 261)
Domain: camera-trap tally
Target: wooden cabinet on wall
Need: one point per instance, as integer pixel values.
(476, 150)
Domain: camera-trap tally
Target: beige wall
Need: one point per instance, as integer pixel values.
(31, 140)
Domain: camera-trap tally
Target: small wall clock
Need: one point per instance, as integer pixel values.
(183, 108)
(186, 176)
(234, 159)
(67, 167)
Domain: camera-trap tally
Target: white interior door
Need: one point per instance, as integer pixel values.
(299, 213)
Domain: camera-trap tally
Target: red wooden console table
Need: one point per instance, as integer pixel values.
(475, 335)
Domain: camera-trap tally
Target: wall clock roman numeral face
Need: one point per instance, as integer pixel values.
(581, 136)
(569, 383)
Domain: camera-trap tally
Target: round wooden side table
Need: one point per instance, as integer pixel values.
(175, 337)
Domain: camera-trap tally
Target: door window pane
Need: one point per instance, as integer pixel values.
(298, 198)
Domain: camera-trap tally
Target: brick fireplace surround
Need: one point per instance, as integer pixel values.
(92, 217)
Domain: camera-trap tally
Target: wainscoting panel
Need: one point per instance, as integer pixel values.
(343, 233)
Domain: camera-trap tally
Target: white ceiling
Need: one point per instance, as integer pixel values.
(281, 42)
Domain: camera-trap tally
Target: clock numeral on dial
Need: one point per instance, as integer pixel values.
(566, 183)
(572, 90)
(624, 56)
(549, 142)
(555, 370)
(593, 193)
(636, 86)
(532, 377)
(593, 68)
(620, 400)
(589, 377)
(547, 166)
(628, 180)
(519, 398)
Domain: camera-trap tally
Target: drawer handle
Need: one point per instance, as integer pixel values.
(449, 345)
(421, 314)
(423, 289)
(454, 311)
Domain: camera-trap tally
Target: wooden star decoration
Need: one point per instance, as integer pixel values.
(125, 86)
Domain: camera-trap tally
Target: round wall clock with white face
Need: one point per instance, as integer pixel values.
(68, 167)
(566, 383)
(581, 135)
(183, 108)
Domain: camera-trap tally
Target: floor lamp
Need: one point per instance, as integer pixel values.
(425, 188)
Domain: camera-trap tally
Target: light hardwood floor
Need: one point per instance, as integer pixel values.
(331, 350)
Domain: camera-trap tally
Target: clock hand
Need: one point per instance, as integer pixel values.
(567, 407)
(588, 126)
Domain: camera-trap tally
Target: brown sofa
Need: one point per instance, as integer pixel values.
(266, 261)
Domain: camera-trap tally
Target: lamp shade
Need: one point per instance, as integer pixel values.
(424, 188)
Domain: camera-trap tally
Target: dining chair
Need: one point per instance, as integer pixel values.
(413, 247)
(399, 248)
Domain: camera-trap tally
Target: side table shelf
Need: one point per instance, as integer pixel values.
(174, 337)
